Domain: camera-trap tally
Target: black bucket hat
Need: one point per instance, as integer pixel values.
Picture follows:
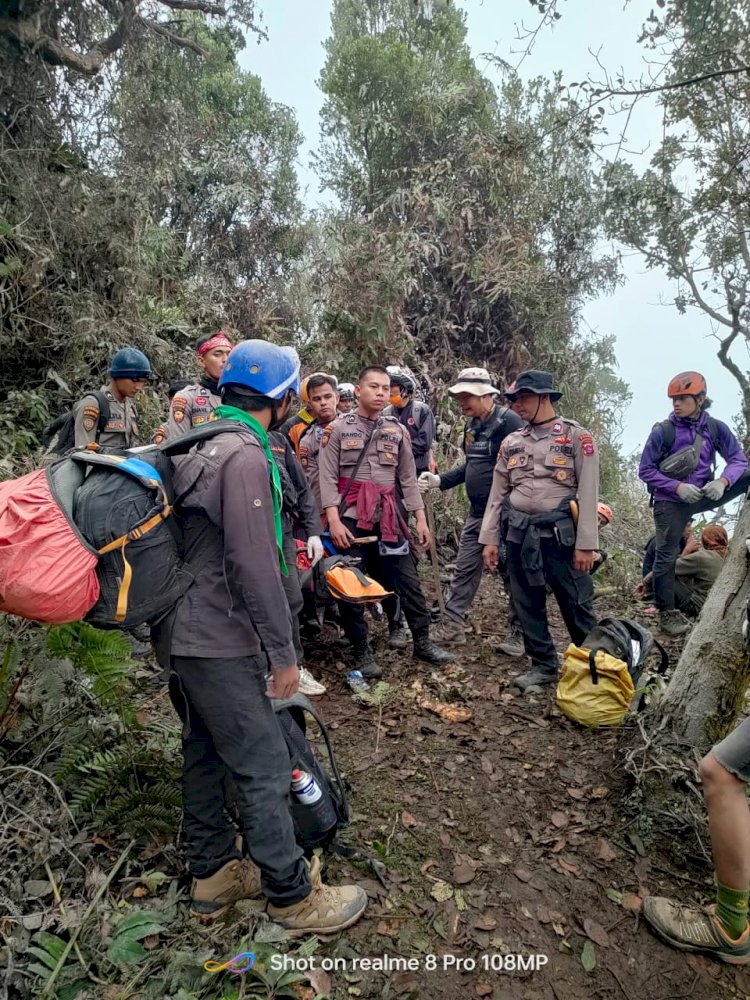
(533, 381)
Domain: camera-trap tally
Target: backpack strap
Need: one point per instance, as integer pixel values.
(300, 701)
(182, 445)
(343, 504)
(104, 411)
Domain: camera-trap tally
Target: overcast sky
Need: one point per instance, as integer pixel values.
(653, 341)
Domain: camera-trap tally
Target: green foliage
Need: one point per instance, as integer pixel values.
(104, 656)
(125, 947)
(145, 209)
(690, 211)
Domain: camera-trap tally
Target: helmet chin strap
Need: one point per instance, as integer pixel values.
(541, 423)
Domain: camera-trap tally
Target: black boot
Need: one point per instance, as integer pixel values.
(365, 662)
(425, 649)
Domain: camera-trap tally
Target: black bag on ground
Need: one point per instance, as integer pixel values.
(628, 641)
(59, 437)
(307, 828)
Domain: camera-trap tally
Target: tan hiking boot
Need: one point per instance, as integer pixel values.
(326, 910)
(451, 631)
(691, 929)
(211, 897)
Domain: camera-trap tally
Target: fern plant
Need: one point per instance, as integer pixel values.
(103, 656)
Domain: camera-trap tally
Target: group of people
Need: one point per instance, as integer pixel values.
(356, 461)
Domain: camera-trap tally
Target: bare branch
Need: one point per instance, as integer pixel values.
(687, 274)
(200, 5)
(56, 53)
(179, 40)
(689, 82)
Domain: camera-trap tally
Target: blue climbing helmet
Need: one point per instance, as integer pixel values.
(263, 368)
(129, 362)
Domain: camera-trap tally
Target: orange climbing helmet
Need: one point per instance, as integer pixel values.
(606, 512)
(687, 384)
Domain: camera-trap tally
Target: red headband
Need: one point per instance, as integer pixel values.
(219, 339)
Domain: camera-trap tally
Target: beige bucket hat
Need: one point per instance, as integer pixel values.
(475, 381)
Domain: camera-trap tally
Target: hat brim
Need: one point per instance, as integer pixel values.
(473, 389)
(554, 396)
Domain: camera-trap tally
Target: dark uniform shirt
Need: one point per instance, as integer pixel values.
(237, 605)
(481, 444)
(419, 421)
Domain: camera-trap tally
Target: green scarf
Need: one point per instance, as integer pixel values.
(234, 413)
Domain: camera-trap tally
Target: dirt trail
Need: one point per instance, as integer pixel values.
(505, 834)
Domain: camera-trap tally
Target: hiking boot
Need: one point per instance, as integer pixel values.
(308, 685)
(326, 910)
(672, 623)
(512, 644)
(425, 649)
(534, 678)
(366, 663)
(211, 897)
(451, 630)
(397, 637)
(691, 929)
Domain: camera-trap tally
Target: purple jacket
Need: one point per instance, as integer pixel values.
(729, 448)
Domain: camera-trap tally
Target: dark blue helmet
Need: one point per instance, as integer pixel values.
(129, 362)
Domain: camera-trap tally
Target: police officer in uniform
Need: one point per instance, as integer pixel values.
(487, 425)
(539, 471)
(129, 371)
(322, 396)
(367, 456)
(194, 404)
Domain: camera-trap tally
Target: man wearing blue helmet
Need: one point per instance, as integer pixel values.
(108, 417)
(231, 649)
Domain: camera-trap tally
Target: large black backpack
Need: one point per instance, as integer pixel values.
(291, 715)
(627, 641)
(124, 509)
(60, 436)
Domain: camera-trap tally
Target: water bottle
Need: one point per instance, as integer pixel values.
(356, 681)
(320, 816)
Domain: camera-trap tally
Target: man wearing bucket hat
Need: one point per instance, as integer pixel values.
(543, 504)
(488, 423)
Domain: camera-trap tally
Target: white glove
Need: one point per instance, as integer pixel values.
(715, 490)
(689, 493)
(428, 481)
(315, 550)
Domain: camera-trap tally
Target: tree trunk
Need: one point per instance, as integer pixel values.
(708, 689)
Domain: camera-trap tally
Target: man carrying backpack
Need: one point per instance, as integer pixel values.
(720, 930)
(105, 417)
(230, 630)
(543, 504)
(194, 404)
(487, 425)
(677, 465)
(413, 414)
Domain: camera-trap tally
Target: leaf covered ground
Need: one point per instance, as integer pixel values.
(498, 829)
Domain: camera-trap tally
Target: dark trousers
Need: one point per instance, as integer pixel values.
(396, 573)
(293, 590)
(230, 734)
(670, 518)
(573, 590)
